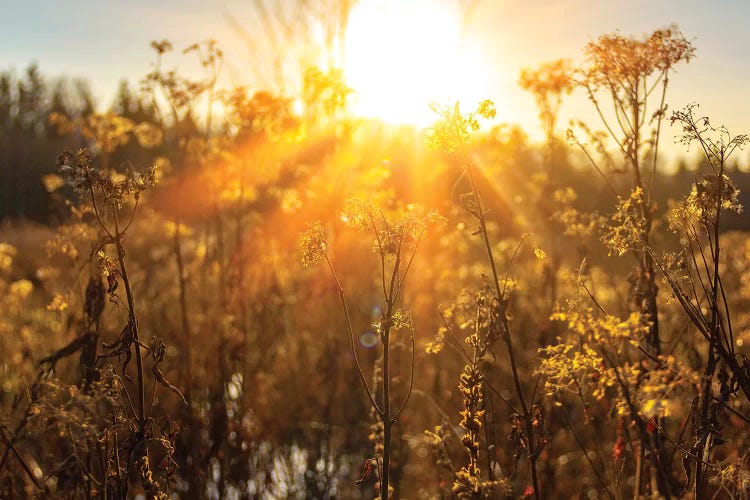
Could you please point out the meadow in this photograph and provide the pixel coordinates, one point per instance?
(286, 300)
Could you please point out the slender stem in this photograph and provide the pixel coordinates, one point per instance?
(482, 222)
(20, 459)
(596, 167)
(527, 418)
(662, 110)
(703, 445)
(585, 452)
(181, 281)
(387, 422)
(411, 382)
(406, 270)
(638, 471)
(133, 325)
(595, 102)
(380, 252)
(98, 217)
(385, 335)
(344, 305)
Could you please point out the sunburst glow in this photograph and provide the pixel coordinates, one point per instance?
(400, 56)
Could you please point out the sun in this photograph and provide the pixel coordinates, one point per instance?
(401, 56)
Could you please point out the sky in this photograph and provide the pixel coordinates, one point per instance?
(106, 41)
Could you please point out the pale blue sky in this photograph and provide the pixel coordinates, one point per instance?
(105, 41)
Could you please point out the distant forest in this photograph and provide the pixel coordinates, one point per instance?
(29, 145)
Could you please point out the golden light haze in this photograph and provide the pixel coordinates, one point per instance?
(341, 249)
(401, 54)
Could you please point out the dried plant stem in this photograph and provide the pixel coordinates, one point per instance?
(12, 447)
(182, 285)
(599, 475)
(506, 334)
(345, 307)
(391, 291)
(388, 419)
(703, 446)
(384, 413)
(133, 325)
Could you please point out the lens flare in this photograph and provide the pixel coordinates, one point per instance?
(368, 340)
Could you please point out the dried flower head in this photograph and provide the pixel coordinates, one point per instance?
(313, 243)
(618, 59)
(78, 171)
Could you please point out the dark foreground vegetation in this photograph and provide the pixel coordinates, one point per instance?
(263, 303)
